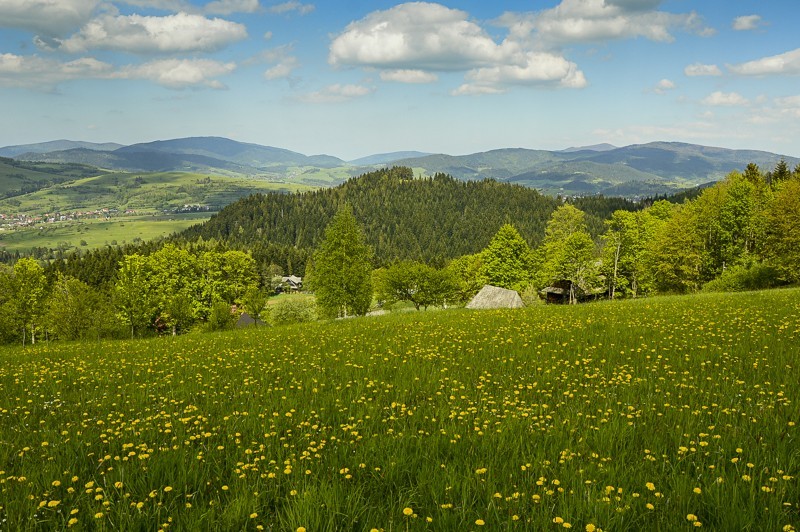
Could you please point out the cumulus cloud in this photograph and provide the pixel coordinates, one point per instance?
(181, 32)
(409, 76)
(699, 69)
(45, 73)
(416, 36)
(410, 42)
(747, 22)
(663, 86)
(226, 7)
(47, 17)
(292, 5)
(540, 68)
(283, 69)
(728, 99)
(179, 73)
(789, 105)
(783, 64)
(337, 93)
(577, 21)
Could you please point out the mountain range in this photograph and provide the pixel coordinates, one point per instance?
(635, 170)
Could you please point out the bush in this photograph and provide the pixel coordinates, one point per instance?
(220, 318)
(741, 278)
(293, 309)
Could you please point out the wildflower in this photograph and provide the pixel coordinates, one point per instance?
(697, 490)
(649, 506)
(480, 522)
(650, 486)
(167, 489)
(253, 515)
(558, 520)
(301, 529)
(590, 528)
(99, 515)
(407, 511)
(691, 517)
(72, 521)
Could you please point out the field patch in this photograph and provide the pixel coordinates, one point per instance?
(660, 414)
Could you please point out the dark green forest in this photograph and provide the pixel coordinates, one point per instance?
(431, 220)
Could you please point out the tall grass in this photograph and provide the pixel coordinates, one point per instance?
(660, 414)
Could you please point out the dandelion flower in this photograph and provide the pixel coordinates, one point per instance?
(407, 511)
(480, 522)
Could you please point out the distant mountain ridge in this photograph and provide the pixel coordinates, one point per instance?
(56, 145)
(635, 170)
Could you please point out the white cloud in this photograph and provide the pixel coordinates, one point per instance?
(575, 21)
(45, 73)
(283, 69)
(181, 32)
(337, 93)
(292, 5)
(747, 22)
(410, 42)
(788, 106)
(409, 76)
(226, 7)
(786, 63)
(699, 69)
(179, 73)
(540, 68)
(416, 36)
(47, 17)
(728, 99)
(663, 86)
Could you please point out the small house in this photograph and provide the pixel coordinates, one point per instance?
(246, 320)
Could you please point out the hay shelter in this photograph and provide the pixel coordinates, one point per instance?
(495, 297)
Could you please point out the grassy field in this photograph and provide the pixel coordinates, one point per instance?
(97, 232)
(658, 414)
(142, 191)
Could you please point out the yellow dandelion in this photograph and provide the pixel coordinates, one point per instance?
(99, 515)
(72, 521)
(691, 517)
(253, 515)
(167, 489)
(558, 520)
(697, 490)
(407, 511)
(590, 528)
(480, 522)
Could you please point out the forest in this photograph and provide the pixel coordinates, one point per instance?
(427, 242)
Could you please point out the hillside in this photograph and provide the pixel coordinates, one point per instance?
(195, 154)
(637, 170)
(634, 171)
(18, 178)
(56, 145)
(606, 415)
(430, 219)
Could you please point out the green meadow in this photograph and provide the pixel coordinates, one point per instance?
(94, 233)
(668, 413)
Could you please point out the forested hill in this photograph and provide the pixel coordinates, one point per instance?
(429, 219)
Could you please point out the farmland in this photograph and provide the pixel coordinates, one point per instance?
(667, 413)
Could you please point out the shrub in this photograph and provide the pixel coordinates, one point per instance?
(742, 277)
(293, 309)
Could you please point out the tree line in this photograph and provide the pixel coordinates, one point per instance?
(742, 233)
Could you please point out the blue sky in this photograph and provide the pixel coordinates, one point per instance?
(352, 78)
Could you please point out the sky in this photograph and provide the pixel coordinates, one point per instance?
(353, 78)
